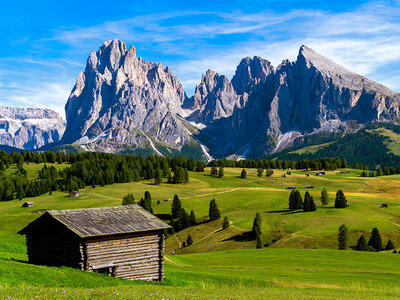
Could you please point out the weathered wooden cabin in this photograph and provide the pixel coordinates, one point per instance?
(28, 204)
(122, 241)
(74, 194)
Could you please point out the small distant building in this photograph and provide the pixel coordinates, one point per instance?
(28, 204)
(309, 186)
(74, 194)
(320, 173)
(308, 175)
(347, 172)
(384, 205)
(292, 187)
(123, 241)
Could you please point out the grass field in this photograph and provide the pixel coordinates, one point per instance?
(275, 272)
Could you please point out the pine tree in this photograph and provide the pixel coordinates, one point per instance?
(243, 175)
(361, 244)
(389, 245)
(192, 218)
(324, 197)
(295, 200)
(375, 240)
(189, 240)
(344, 163)
(128, 199)
(260, 172)
(343, 237)
(379, 172)
(221, 172)
(184, 220)
(225, 223)
(307, 202)
(158, 176)
(340, 201)
(176, 207)
(213, 211)
(213, 171)
(256, 230)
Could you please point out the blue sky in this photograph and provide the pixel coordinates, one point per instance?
(45, 44)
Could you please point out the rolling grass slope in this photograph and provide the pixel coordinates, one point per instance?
(273, 272)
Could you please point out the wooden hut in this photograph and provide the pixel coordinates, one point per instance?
(28, 204)
(122, 241)
(74, 194)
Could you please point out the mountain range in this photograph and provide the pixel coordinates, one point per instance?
(123, 104)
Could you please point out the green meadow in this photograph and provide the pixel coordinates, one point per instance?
(299, 258)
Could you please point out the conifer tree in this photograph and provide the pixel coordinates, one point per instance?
(192, 218)
(184, 220)
(256, 230)
(214, 171)
(176, 207)
(128, 199)
(157, 176)
(379, 172)
(225, 223)
(375, 240)
(389, 245)
(213, 211)
(243, 175)
(221, 172)
(295, 200)
(189, 240)
(324, 197)
(361, 244)
(343, 237)
(269, 173)
(340, 201)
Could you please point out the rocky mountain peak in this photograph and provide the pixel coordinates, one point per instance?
(251, 72)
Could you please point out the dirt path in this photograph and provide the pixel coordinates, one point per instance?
(233, 190)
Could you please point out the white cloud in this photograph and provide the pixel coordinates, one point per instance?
(363, 40)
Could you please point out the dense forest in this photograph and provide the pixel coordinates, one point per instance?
(87, 169)
(363, 147)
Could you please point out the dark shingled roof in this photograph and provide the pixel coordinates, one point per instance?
(102, 221)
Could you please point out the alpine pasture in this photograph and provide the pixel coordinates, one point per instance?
(299, 257)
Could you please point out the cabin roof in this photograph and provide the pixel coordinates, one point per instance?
(28, 202)
(104, 221)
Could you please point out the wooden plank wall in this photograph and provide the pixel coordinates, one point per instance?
(53, 245)
(131, 257)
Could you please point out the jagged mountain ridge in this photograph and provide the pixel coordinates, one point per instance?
(29, 128)
(122, 100)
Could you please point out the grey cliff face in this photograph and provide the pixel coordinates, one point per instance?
(122, 99)
(310, 95)
(29, 128)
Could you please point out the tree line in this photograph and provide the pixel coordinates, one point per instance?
(88, 169)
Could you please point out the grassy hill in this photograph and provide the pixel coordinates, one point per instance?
(280, 273)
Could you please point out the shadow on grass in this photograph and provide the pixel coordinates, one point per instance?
(277, 211)
(163, 216)
(243, 237)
